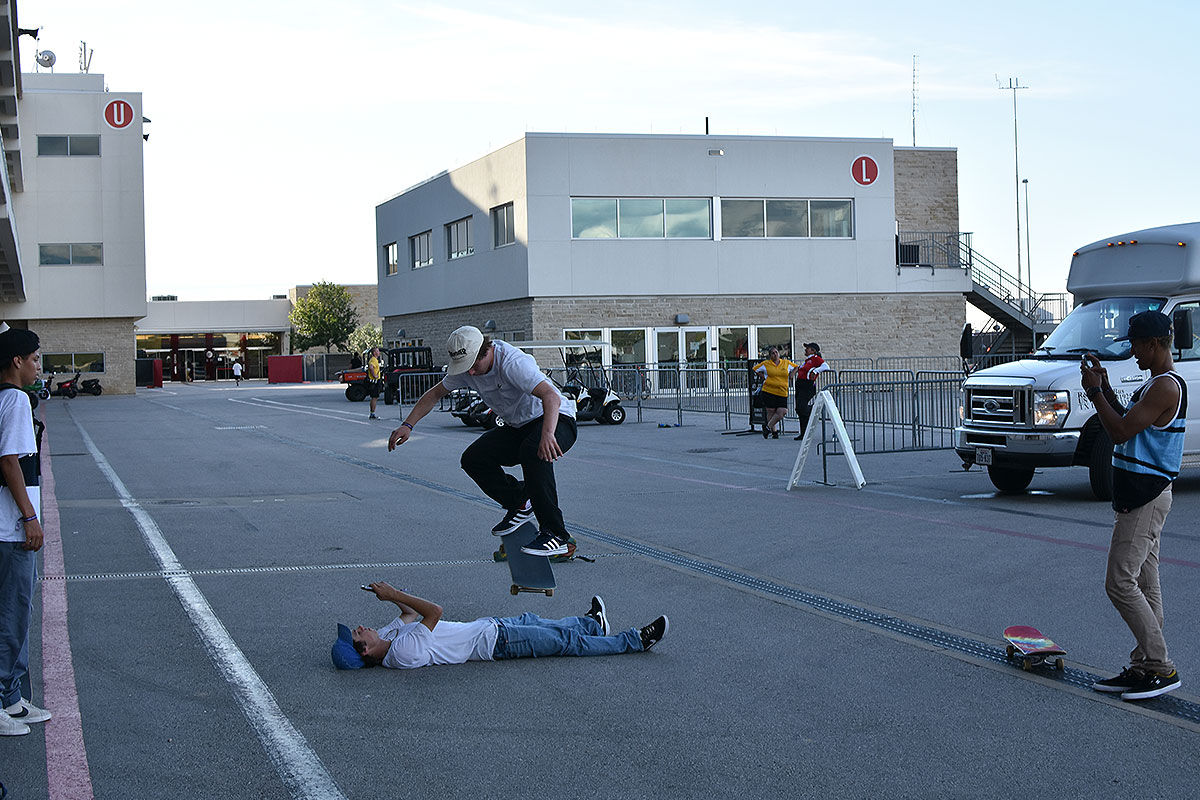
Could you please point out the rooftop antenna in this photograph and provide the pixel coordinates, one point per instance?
(1013, 85)
(914, 101)
(46, 58)
(85, 57)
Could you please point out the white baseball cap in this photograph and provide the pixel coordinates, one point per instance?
(463, 348)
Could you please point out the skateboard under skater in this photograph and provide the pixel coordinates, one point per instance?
(529, 573)
(1033, 646)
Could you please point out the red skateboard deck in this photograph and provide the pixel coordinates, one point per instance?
(1033, 645)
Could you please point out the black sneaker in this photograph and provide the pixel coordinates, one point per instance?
(653, 633)
(774, 434)
(546, 544)
(1128, 678)
(766, 433)
(513, 520)
(1151, 684)
(597, 613)
(372, 416)
(801, 436)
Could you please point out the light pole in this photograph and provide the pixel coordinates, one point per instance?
(1014, 84)
(1028, 259)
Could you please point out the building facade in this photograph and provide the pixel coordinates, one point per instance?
(678, 249)
(73, 230)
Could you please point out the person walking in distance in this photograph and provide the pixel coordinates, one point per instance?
(539, 428)
(374, 376)
(237, 372)
(806, 383)
(1148, 438)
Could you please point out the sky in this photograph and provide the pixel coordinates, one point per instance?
(277, 127)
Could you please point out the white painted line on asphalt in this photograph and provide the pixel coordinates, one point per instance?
(297, 405)
(297, 764)
(298, 411)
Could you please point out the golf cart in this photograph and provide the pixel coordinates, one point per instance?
(585, 384)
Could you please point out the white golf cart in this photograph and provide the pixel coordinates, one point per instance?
(585, 382)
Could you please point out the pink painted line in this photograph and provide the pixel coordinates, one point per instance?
(67, 773)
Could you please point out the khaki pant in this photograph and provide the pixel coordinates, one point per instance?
(1132, 581)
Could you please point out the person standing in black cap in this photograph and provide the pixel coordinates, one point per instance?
(806, 383)
(1148, 454)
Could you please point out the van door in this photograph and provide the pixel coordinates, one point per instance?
(1187, 364)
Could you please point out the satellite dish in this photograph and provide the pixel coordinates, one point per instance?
(46, 58)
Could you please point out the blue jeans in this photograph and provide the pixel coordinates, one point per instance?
(530, 636)
(18, 574)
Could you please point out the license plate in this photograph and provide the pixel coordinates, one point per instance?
(983, 456)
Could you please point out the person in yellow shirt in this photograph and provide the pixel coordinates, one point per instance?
(374, 380)
(776, 372)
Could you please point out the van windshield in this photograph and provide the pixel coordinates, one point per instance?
(1094, 327)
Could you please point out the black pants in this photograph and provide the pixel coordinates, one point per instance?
(805, 391)
(509, 446)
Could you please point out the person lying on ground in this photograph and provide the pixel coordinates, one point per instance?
(419, 637)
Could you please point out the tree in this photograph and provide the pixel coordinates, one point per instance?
(325, 317)
(365, 337)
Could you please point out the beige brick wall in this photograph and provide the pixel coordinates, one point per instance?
(847, 326)
(926, 189)
(113, 337)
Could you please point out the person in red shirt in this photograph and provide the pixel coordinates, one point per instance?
(806, 382)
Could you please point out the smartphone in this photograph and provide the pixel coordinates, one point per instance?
(366, 588)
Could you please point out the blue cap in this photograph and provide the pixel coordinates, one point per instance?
(1148, 325)
(343, 653)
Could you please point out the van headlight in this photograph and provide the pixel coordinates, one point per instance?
(1050, 409)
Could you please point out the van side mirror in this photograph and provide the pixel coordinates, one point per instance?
(1181, 321)
(966, 343)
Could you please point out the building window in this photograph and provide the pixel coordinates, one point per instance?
(787, 218)
(79, 254)
(775, 336)
(578, 356)
(72, 362)
(688, 218)
(593, 218)
(502, 225)
(641, 218)
(458, 239)
(420, 249)
(391, 258)
(69, 145)
(833, 218)
(740, 218)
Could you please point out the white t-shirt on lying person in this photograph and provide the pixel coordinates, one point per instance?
(414, 645)
(508, 385)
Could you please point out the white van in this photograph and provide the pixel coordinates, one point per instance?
(1033, 413)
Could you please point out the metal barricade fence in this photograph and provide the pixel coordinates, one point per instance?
(889, 411)
(412, 385)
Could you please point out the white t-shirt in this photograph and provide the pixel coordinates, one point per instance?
(414, 645)
(237, 369)
(16, 438)
(507, 386)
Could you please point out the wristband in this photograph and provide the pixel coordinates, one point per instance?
(29, 519)
(406, 425)
(1092, 389)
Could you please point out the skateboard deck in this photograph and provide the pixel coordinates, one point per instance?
(1033, 646)
(572, 546)
(529, 573)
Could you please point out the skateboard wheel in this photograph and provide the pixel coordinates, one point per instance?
(1010, 651)
(514, 589)
(549, 593)
(1026, 664)
(1058, 662)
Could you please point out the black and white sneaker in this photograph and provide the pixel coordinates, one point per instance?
(1151, 684)
(653, 633)
(597, 613)
(546, 544)
(1128, 678)
(513, 520)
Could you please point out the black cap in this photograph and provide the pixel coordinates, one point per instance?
(1147, 325)
(813, 345)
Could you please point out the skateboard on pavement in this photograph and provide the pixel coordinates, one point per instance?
(1033, 646)
(529, 573)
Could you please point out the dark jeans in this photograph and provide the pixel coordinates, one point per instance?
(18, 576)
(509, 446)
(805, 391)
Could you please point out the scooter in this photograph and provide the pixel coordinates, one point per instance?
(91, 386)
(38, 389)
(67, 388)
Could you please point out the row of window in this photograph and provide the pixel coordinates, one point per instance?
(72, 362)
(74, 145)
(459, 240)
(691, 218)
(671, 346)
(78, 253)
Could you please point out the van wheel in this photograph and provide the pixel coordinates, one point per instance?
(1100, 465)
(1010, 480)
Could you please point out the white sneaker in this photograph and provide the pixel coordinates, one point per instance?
(26, 712)
(10, 727)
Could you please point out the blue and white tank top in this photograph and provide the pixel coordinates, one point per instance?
(1146, 464)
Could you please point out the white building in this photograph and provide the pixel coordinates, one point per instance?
(679, 248)
(72, 229)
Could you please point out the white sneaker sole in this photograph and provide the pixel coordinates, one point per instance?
(1152, 693)
(561, 550)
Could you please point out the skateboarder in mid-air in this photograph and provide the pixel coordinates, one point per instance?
(419, 637)
(539, 428)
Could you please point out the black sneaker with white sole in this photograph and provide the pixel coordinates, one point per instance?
(653, 633)
(546, 544)
(1128, 678)
(513, 520)
(1151, 684)
(597, 613)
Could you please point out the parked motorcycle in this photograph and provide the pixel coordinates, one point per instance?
(91, 386)
(67, 388)
(39, 389)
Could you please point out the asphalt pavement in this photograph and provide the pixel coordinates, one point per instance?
(824, 641)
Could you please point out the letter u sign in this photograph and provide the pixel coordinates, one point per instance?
(118, 114)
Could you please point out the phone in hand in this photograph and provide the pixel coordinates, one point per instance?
(366, 588)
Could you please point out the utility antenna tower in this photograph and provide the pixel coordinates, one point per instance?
(1013, 85)
(85, 57)
(914, 101)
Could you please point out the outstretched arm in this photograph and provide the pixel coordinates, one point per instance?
(423, 407)
(411, 606)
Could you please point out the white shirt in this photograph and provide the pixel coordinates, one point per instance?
(414, 645)
(237, 369)
(508, 385)
(16, 439)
